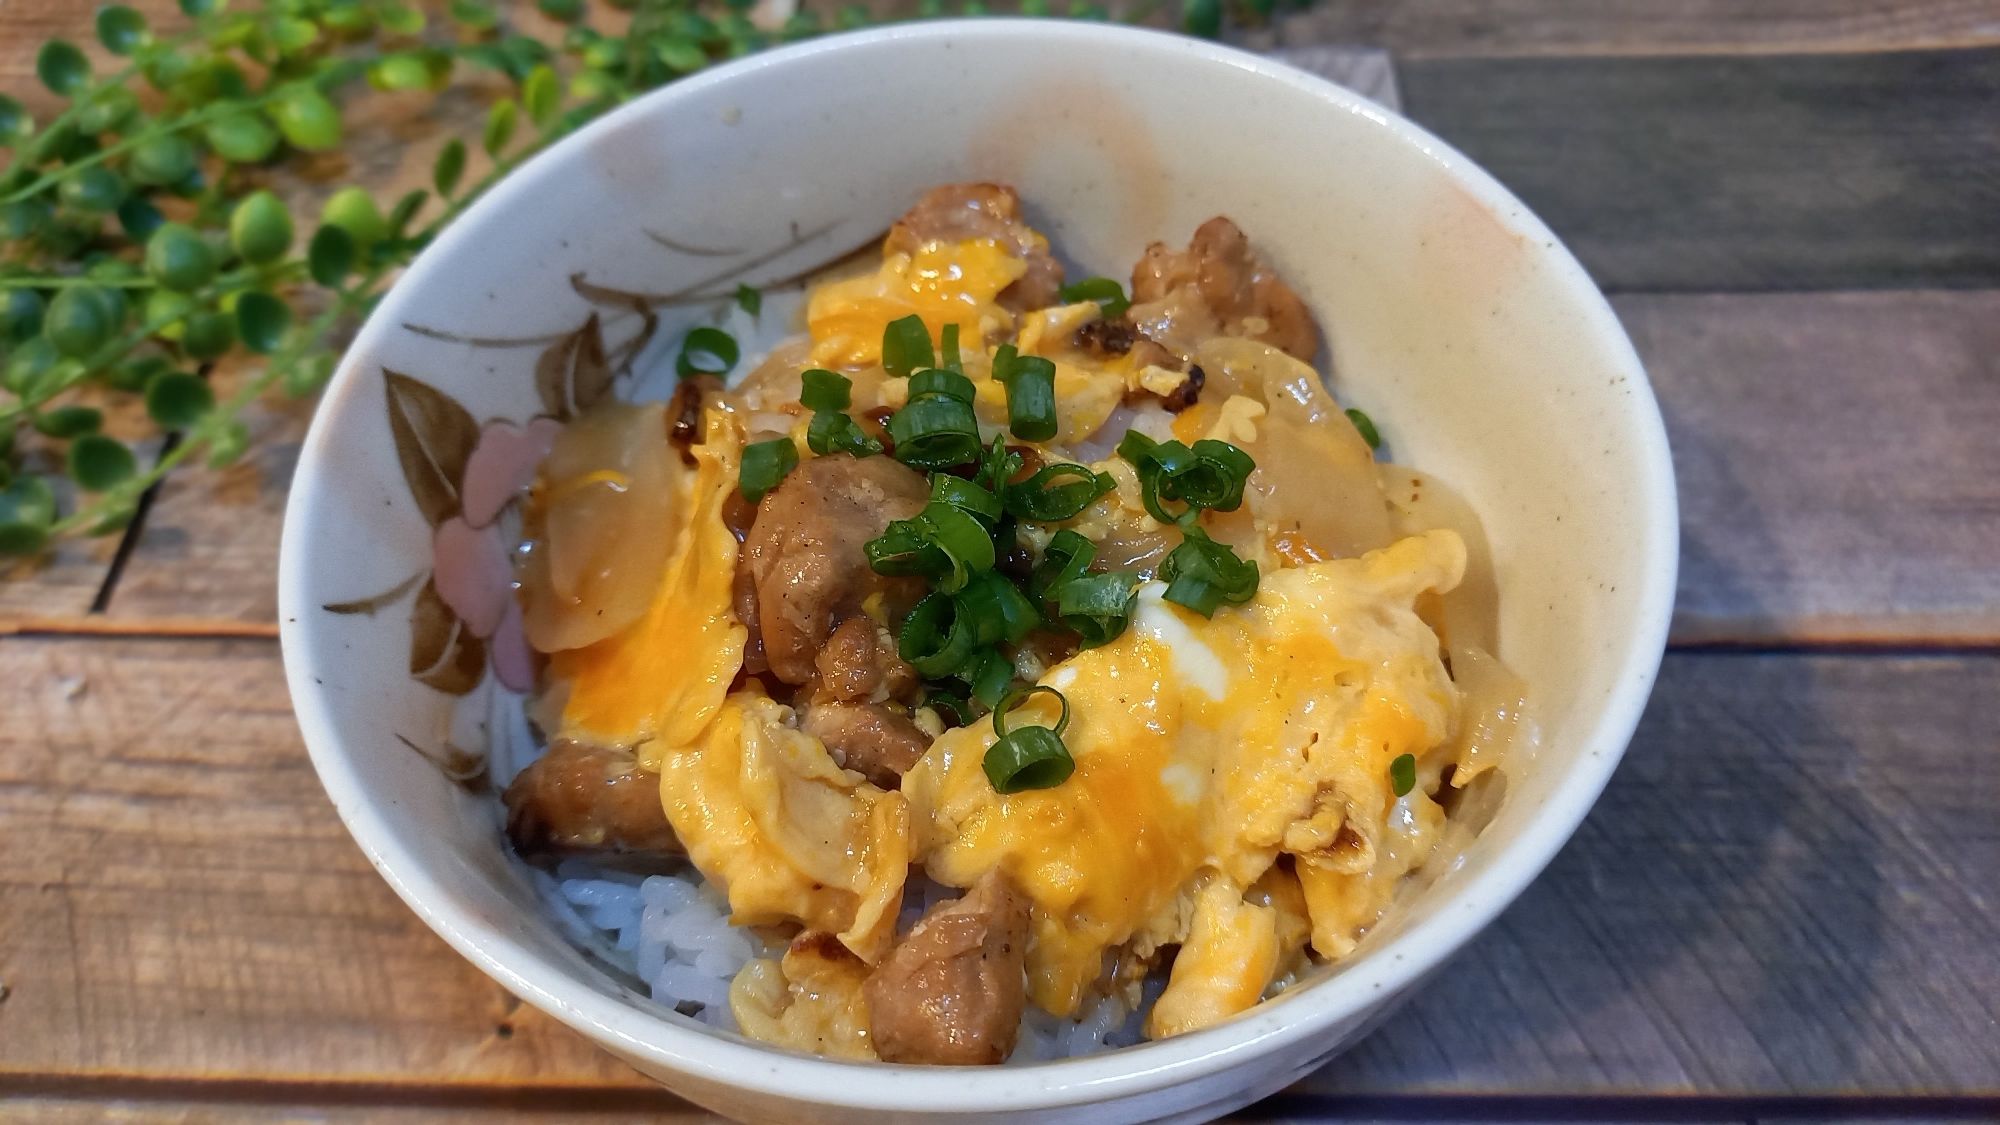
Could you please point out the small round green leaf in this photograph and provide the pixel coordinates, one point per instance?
(208, 334)
(133, 373)
(97, 462)
(499, 126)
(62, 68)
(261, 320)
(309, 374)
(308, 119)
(353, 210)
(69, 421)
(330, 257)
(177, 400)
(405, 70)
(450, 165)
(168, 310)
(16, 123)
(21, 315)
(110, 109)
(472, 14)
(121, 30)
(399, 19)
(406, 209)
(681, 54)
(227, 445)
(163, 160)
(540, 94)
(197, 7)
(242, 138)
(23, 217)
(590, 85)
(178, 257)
(348, 17)
(292, 34)
(564, 11)
(260, 229)
(139, 217)
(1201, 17)
(78, 321)
(27, 508)
(27, 363)
(95, 189)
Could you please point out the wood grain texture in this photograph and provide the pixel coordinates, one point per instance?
(1741, 173)
(1838, 466)
(1415, 28)
(1792, 887)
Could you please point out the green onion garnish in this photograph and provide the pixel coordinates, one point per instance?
(1109, 295)
(1366, 426)
(904, 547)
(1211, 474)
(1064, 560)
(1031, 395)
(939, 698)
(824, 390)
(1098, 606)
(935, 640)
(1031, 757)
(936, 431)
(966, 496)
(995, 610)
(988, 673)
(938, 381)
(948, 348)
(1202, 574)
(765, 463)
(706, 349)
(749, 299)
(906, 346)
(832, 431)
(1403, 774)
(996, 466)
(964, 541)
(1039, 498)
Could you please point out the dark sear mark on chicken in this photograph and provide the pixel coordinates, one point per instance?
(952, 991)
(594, 802)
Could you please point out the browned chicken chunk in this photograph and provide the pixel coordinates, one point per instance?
(593, 801)
(805, 552)
(957, 212)
(859, 662)
(868, 738)
(952, 991)
(1216, 285)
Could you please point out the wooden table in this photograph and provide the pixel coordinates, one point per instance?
(1787, 903)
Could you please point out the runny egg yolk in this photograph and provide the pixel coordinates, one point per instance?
(1204, 747)
(943, 282)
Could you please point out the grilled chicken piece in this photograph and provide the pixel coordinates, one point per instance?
(859, 663)
(805, 553)
(952, 991)
(592, 801)
(868, 738)
(957, 212)
(1180, 297)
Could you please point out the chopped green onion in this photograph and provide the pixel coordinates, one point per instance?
(1031, 757)
(906, 346)
(1366, 426)
(942, 699)
(948, 349)
(1109, 295)
(1036, 498)
(832, 431)
(988, 673)
(706, 349)
(934, 640)
(995, 610)
(1098, 606)
(1031, 397)
(905, 548)
(964, 540)
(1202, 574)
(1064, 560)
(966, 496)
(749, 299)
(1003, 361)
(765, 463)
(935, 432)
(821, 389)
(1209, 475)
(938, 381)
(1403, 774)
(996, 466)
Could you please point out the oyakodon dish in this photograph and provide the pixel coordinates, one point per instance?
(1100, 610)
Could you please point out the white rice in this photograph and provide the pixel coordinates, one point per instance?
(671, 932)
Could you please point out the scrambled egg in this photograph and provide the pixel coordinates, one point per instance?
(943, 282)
(1204, 748)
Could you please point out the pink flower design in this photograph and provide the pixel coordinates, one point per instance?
(469, 559)
(502, 465)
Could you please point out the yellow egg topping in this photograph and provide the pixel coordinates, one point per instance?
(943, 282)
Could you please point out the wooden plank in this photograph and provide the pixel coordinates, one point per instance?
(1838, 470)
(1738, 172)
(1416, 28)
(60, 1111)
(1791, 888)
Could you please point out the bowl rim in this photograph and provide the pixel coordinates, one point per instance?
(712, 1058)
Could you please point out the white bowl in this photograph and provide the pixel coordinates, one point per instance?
(1453, 317)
